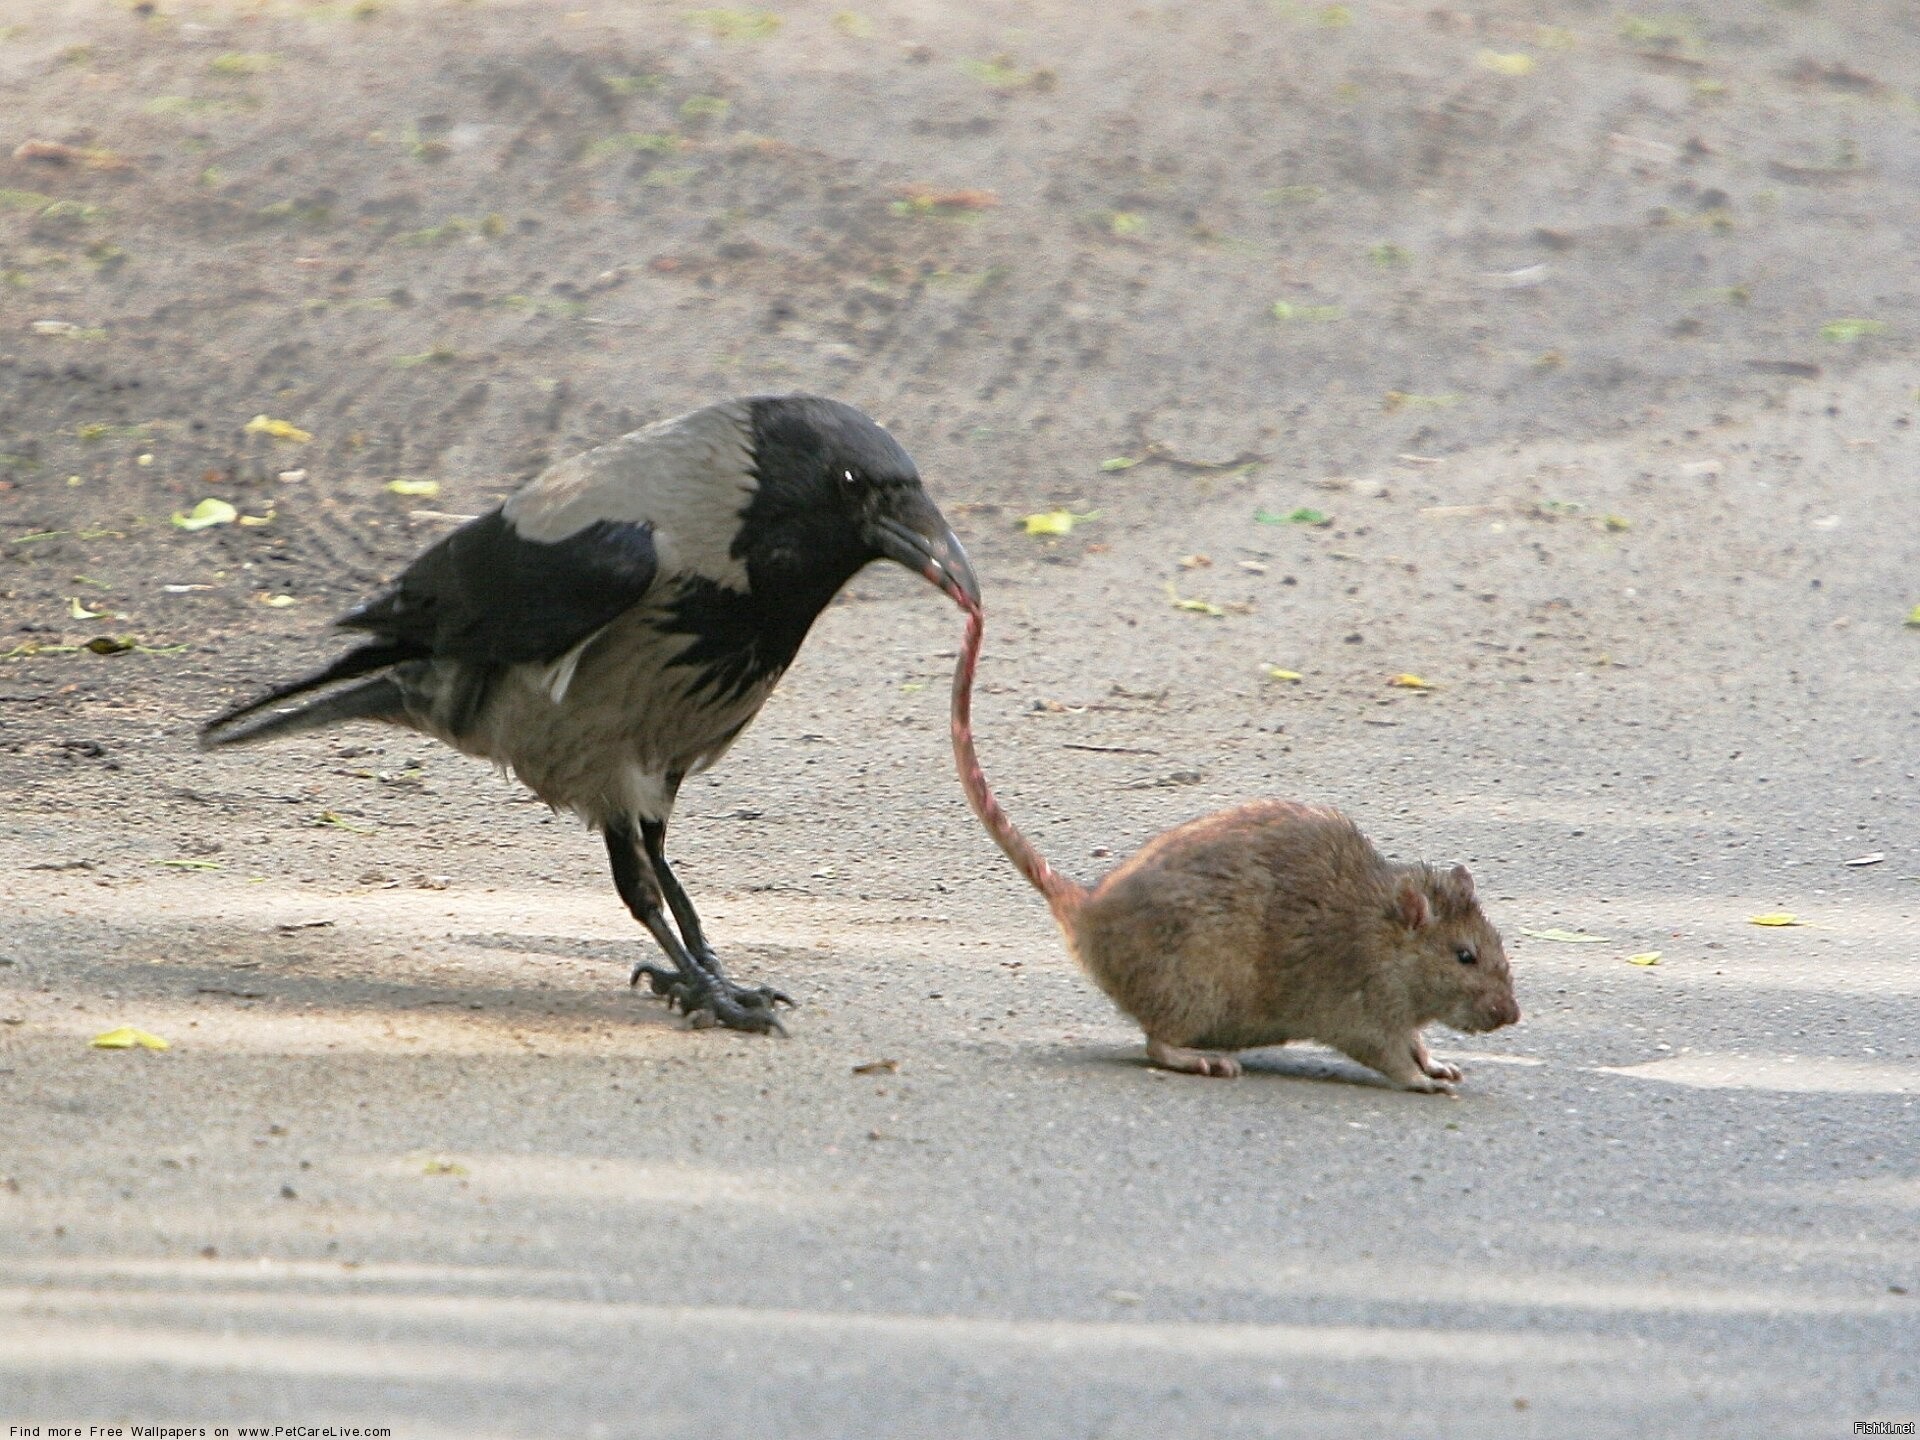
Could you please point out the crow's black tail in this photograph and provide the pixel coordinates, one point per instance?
(375, 699)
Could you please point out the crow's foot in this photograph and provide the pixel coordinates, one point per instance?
(754, 997)
(708, 1000)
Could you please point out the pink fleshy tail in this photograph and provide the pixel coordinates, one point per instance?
(1063, 896)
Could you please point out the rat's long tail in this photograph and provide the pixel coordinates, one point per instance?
(1064, 897)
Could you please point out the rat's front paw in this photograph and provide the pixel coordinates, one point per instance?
(1433, 1069)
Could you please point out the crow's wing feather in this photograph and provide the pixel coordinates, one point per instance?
(580, 544)
(488, 595)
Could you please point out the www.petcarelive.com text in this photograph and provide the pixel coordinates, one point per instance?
(199, 1432)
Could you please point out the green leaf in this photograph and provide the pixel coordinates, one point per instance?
(1845, 332)
(208, 512)
(1302, 516)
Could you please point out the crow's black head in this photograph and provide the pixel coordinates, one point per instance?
(835, 492)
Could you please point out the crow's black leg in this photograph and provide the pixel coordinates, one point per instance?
(705, 998)
(653, 835)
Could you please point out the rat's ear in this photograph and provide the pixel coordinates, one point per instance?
(1411, 906)
(1461, 879)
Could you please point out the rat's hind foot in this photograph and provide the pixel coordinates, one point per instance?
(707, 1000)
(1191, 1062)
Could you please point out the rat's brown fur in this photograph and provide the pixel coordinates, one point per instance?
(1270, 922)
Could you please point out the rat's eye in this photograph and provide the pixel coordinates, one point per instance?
(1466, 956)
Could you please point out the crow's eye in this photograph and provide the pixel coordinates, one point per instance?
(1466, 956)
(846, 479)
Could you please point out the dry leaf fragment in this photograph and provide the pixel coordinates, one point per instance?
(1566, 937)
(1646, 957)
(1870, 859)
(443, 1167)
(338, 822)
(55, 152)
(927, 197)
(1198, 607)
(877, 1067)
(278, 602)
(1775, 917)
(126, 1037)
(278, 429)
(77, 611)
(1514, 63)
(1411, 682)
(208, 512)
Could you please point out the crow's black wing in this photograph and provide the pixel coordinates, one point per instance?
(488, 595)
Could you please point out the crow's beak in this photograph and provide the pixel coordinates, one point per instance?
(934, 553)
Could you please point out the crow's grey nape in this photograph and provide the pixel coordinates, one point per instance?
(617, 623)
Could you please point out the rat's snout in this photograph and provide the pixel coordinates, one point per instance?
(1504, 1012)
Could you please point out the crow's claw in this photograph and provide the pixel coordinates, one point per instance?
(707, 1001)
(669, 983)
(761, 997)
(717, 1007)
(754, 997)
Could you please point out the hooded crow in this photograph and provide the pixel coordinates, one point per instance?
(614, 626)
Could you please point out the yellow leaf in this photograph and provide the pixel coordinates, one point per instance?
(1913, 620)
(278, 602)
(443, 1167)
(1198, 607)
(425, 489)
(278, 429)
(1776, 917)
(125, 1038)
(1566, 937)
(1410, 682)
(266, 519)
(1274, 672)
(80, 612)
(1050, 522)
(207, 512)
(1648, 957)
(1506, 64)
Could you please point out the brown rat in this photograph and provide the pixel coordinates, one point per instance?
(1270, 922)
